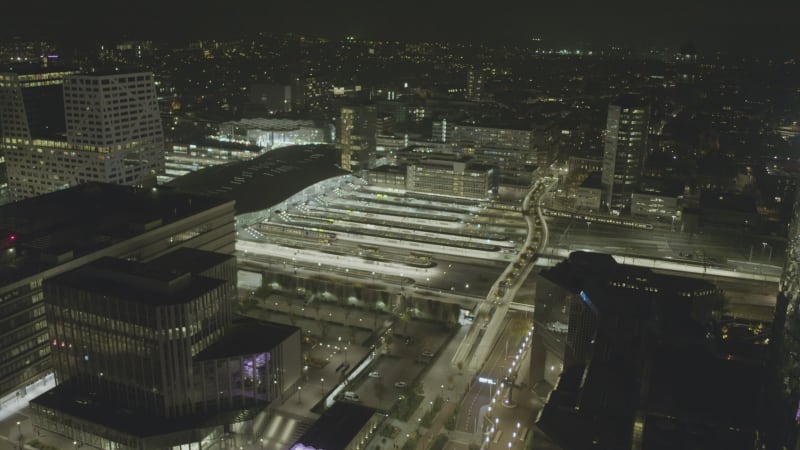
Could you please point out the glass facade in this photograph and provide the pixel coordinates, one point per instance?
(140, 353)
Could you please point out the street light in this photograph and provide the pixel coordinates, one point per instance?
(322, 383)
(299, 391)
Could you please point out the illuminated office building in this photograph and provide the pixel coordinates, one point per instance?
(45, 236)
(356, 138)
(153, 348)
(32, 107)
(112, 133)
(475, 82)
(625, 151)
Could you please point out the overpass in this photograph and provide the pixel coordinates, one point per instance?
(492, 312)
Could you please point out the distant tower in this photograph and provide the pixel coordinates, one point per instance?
(475, 81)
(356, 138)
(625, 150)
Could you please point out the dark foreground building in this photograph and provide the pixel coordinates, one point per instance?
(46, 236)
(147, 355)
(344, 426)
(648, 362)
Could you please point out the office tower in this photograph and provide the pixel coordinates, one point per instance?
(505, 146)
(113, 135)
(311, 95)
(475, 82)
(648, 362)
(154, 349)
(51, 234)
(357, 127)
(31, 107)
(625, 151)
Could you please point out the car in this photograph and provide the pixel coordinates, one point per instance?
(427, 353)
(400, 384)
(352, 396)
(374, 374)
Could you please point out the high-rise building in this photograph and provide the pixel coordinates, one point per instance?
(31, 107)
(475, 82)
(647, 361)
(113, 135)
(356, 139)
(46, 236)
(625, 151)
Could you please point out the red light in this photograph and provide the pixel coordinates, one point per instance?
(12, 237)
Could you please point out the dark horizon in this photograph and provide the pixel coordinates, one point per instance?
(729, 28)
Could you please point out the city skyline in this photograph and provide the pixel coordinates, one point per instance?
(363, 227)
(711, 26)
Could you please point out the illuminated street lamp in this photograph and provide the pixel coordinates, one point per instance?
(299, 391)
(322, 383)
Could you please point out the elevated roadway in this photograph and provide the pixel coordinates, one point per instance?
(491, 313)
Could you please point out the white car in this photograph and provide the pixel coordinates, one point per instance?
(400, 384)
(352, 396)
(427, 353)
(374, 374)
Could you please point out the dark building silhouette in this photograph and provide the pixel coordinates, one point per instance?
(344, 426)
(647, 364)
(61, 231)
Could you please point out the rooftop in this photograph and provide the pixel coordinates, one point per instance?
(247, 337)
(267, 180)
(270, 124)
(593, 181)
(84, 219)
(727, 201)
(68, 400)
(336, 427)
(189, 259)
(136, 282)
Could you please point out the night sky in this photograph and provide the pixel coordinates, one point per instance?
(726, 25)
